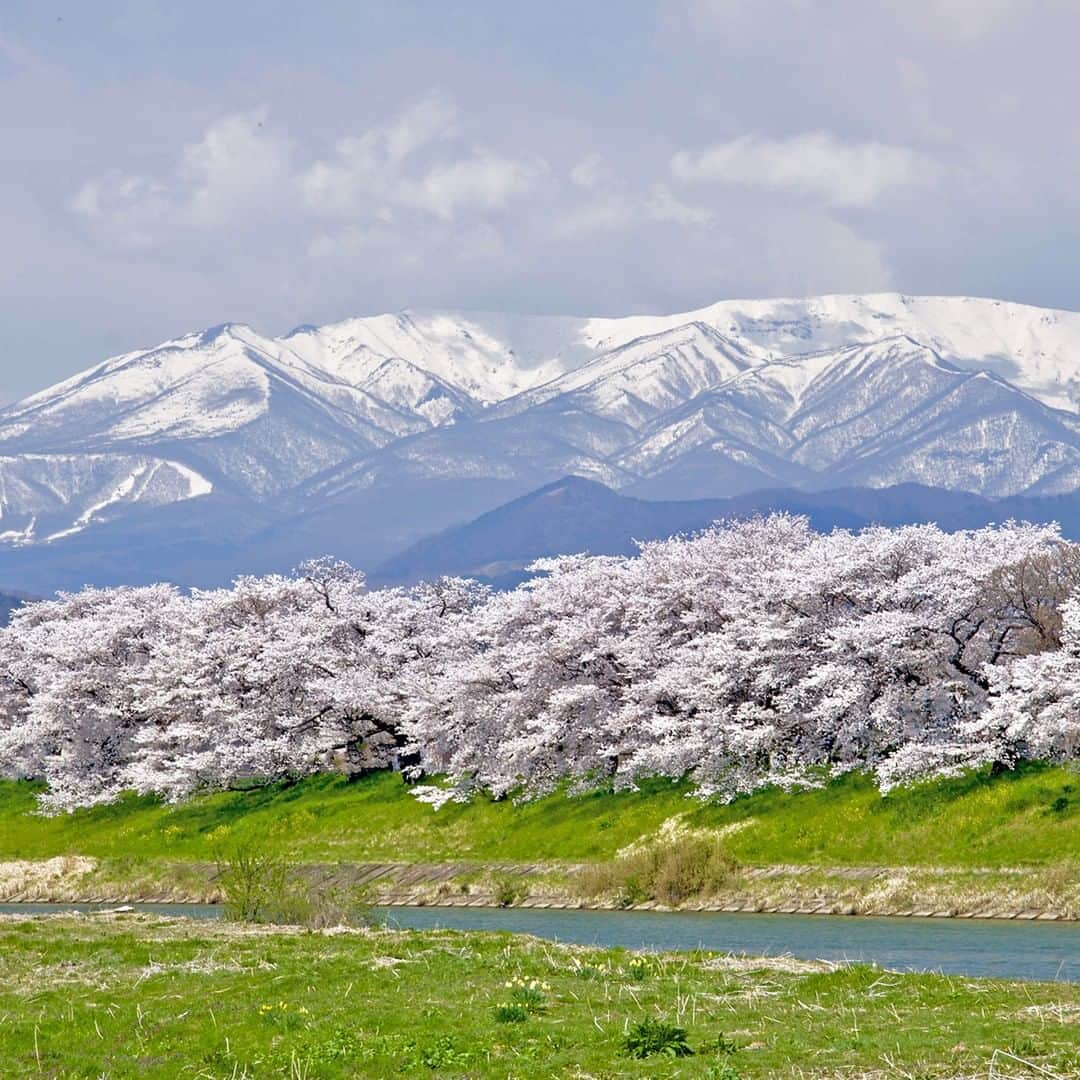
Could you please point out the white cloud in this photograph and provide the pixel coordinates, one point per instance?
(242, 171)
(369, 166)
(815, 164)
(430, 119)
(129, 206)
(485, 180)
(620, 211)
(380, 167)
(238, 168)
(662, 205)
(589, 171)
(236, 171)
(611, 213)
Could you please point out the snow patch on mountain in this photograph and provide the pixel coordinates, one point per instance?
(47, 497)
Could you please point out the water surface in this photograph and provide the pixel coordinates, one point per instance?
(993, 948)
(975, 947)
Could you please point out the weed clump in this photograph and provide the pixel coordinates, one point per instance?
(649, 1038)
(511, 1013)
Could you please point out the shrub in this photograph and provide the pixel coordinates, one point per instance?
(671, 872)
(263, 886)
(441, 1054)
(253, 881)
(508, 891)
(723, 1070)
(656, 1037)
(531, 995)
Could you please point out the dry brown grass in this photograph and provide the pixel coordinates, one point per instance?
(62, 877)
(689, 867)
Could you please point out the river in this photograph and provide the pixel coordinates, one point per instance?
(1005, 949)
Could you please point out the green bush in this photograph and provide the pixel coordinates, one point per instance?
(508, 890)
(443, 1053)
(531, 995)
(261, 885)
(254, 881)
(724, 1070)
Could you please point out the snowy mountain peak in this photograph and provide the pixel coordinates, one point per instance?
(1035, 348)
(458, 350)
(418, 418)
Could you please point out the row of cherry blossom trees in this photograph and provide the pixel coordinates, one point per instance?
(757, 652)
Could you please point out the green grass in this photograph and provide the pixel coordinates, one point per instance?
(1027, 817)
(142, 997)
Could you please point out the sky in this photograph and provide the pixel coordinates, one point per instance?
(168, 166)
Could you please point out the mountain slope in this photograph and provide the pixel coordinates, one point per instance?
(889, 412)
(572, 514)
(1035, 348)
(226, 449)
(576, 515)
(685, 414)
(488, 357)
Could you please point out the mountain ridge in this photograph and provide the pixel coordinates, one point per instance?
(575, 515)
(368, 433)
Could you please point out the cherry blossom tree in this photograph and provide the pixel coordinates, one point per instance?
(280, 676)
(75, 673)
(1034, 707)
(757, 652)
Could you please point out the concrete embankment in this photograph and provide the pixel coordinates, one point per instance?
(1002, 893)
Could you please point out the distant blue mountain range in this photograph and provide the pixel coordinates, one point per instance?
(575, 514)
(9, 601)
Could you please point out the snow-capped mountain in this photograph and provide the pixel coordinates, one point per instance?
(884, 413)
(1035, 348)
(360, 436)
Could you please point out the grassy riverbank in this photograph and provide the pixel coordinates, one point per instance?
(1030, 817)
(136, 996)
(976, 844)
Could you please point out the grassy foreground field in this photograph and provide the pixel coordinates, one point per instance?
(1029, 817)
(135, 996)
